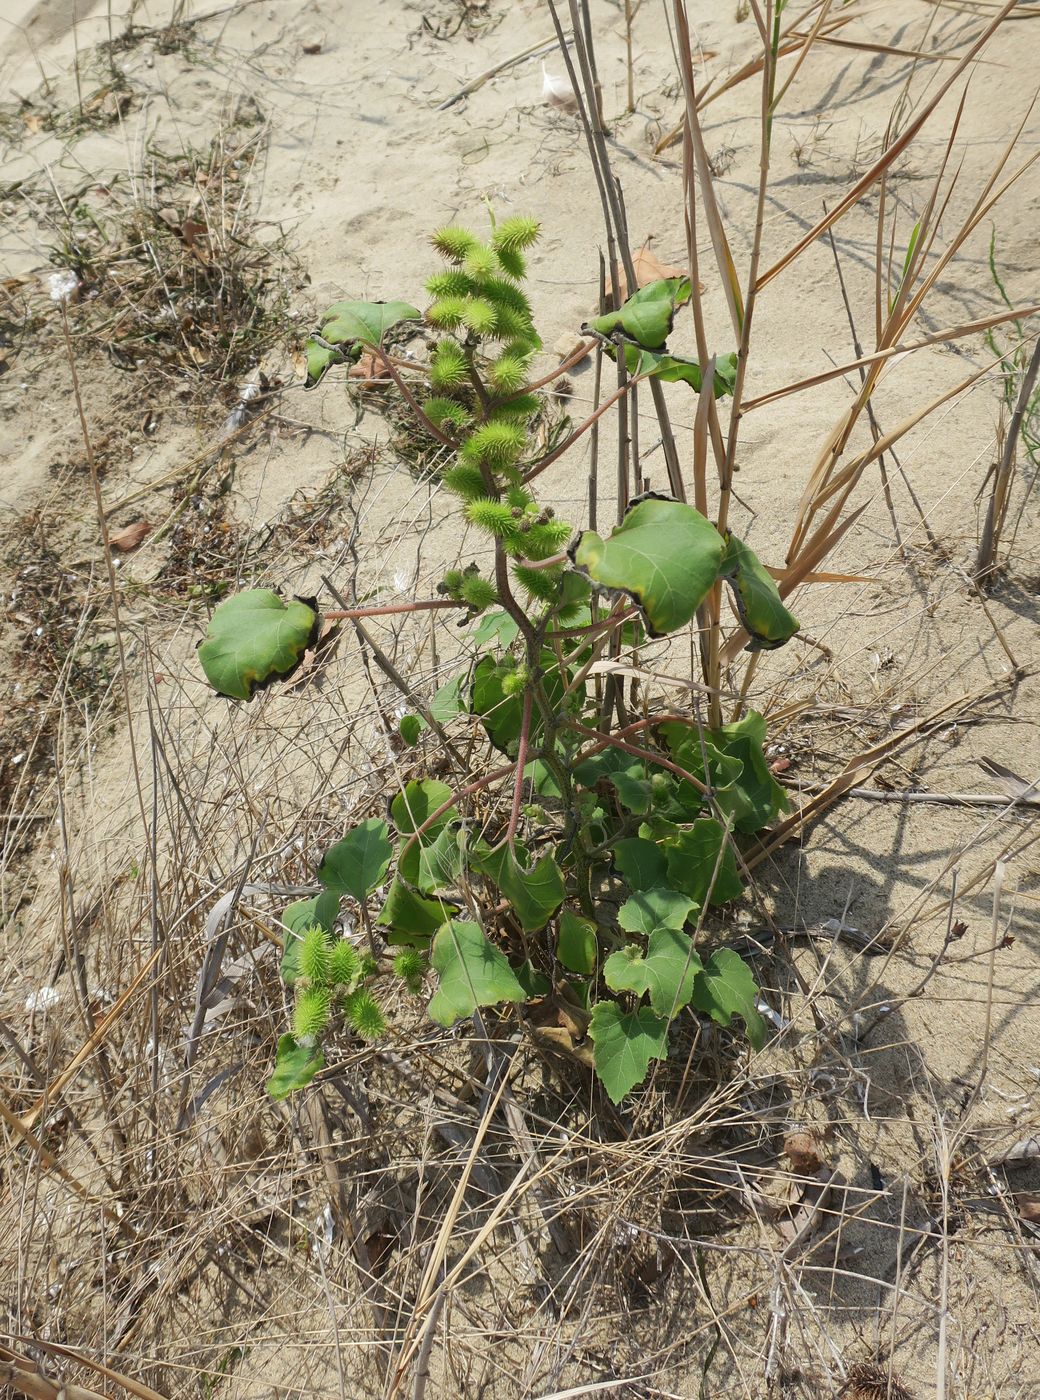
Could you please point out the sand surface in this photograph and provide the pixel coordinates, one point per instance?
(313, 134)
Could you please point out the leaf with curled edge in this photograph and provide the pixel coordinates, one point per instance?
(665, 555)
(255, 638)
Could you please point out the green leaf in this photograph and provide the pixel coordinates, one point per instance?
(440, 862)
(668, 971)
(624, 1044)
(321, 911)
(692, 859)
(295, 1065)
(472, 973)
(754, 798)
(629, 776)
(664, 554)
(647, 910)
(502, 714)
(253, 639)
(675, 369)
(413, 806)
(756, 598)
(535, 894)
(726, 987)
(577, 945)
(319, 359)
(409, 728)
(534, 983)
(448, 702)
(495, 628)
(724, 770)
(358, 863)
(411, 919)
(643, 863)
(647, 316)
(367, 322)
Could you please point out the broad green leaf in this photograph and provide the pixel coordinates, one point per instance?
(410, 918)
(668, 970)
(358, 864)
(409, 728)
(692, 860)
(472, 973)
(534, 983)
(644, 864)
(624, 1044)
(647, 316)
(577, 945)
(675, 369)
(535, 894)
(756, 598)
(542, 778)
(413, 806)
(441, 862)
(754, 797)
(253, 639)
(726, 987)
(319, 359)
(448, 702)
(502, 714)
(496, 628)
(629, 776)
(367, 322)
(723, 776)
(647, 910)
(295, 1066)
(664, 554)
(298, 918)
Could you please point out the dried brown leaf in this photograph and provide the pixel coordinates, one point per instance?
(130, 536)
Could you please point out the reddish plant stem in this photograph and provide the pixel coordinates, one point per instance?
(521, 764)
(425, 605)
(466, 791)
(616, 619)
(574, 358)
(604, 741)
(540, 467)
(409, 397)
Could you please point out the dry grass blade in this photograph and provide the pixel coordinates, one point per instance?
(889, 156)
(131, 1386)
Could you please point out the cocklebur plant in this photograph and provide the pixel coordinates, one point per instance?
(638, 822)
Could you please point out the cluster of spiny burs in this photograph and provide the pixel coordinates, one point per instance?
(479, 373)
(334, 975)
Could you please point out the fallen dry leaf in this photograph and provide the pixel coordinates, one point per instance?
(1028, 1204)
(130, 536)
(648, 268)
(369, 370)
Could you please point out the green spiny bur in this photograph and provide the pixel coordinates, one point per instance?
(448, 313)
(465, 480)
(516, 233)
(311, 1015)
(448, 366)
(480, 316)
(493, 516)
(478, 592)
(508, 373)
(480, 263)
(498, 443)
(443, 411)
(543, 584)
(364, 1015)
(344, 964)
(513, 264)
(453, 242)
(409, 963)
(450, 283)
(315, 956)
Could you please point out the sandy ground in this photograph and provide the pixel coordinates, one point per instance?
(335, 158)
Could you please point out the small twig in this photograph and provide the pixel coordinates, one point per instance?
(426, 605)
(946, 799)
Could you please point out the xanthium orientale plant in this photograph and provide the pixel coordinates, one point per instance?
(596, 887)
